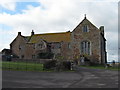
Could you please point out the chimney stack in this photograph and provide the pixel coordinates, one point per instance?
(19, 33)
(102, 29)
(32, 33)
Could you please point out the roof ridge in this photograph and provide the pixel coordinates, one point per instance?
(51, 37)
(53, 33)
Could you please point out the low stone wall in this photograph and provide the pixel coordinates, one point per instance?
(30, 60)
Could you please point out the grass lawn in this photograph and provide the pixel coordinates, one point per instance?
(21, 66)
(102, 67)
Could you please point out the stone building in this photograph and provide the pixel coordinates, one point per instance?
(85, 41)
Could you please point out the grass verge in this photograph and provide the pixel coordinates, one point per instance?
(22, 66)
(25, 66)
(102, 67)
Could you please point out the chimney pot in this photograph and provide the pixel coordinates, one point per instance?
(102, 29)
(32, 33)
(19, 33)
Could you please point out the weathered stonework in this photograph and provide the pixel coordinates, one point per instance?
(67, 44)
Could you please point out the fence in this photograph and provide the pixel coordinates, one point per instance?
(30, 60)
(24, 64)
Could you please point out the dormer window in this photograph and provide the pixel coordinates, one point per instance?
(85, 28)
(40, 45)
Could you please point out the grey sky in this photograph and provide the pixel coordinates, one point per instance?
(62, 16)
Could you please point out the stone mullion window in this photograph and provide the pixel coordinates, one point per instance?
(85, 47)
(89, 48)
(40, 45)
(85, 28)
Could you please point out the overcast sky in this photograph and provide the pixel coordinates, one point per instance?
(45, 16)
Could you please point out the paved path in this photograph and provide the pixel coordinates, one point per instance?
(84, 78)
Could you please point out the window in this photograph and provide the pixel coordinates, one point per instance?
(68, 45)
(22, 56)
(85, 28)
(56, 46)
(34, 46)
(40, 45)
(19, 47)
(85, 47)
(33, 56)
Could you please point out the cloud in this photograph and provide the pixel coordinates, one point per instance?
(64, 15)
(11, 5)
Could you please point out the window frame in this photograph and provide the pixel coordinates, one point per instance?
(85, 47)
(69, 46)
(33, 56)
(19, 47)
(40, 45)
(22, 56)
(85, 28)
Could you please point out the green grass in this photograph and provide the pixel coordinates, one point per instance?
(102, 67)
(21, 66)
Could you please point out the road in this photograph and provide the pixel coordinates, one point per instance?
(83, 78)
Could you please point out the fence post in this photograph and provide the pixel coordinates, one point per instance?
(34, 61)
(26, 64)
(17, 65)
(9, 65)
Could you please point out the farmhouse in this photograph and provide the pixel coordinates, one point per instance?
(85, 41)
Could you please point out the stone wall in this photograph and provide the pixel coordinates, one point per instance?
(66, 50)
(18, 45)
(93, 36)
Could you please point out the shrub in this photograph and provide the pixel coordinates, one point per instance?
(46, 55)
(57, 65)
(94, 64)
(63, 65)
(49, 65)
(67, 65)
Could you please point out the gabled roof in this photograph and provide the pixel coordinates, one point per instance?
(51, 37)
(26, 38)
(85, 19)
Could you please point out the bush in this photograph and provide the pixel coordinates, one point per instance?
(67, 65)
(46, 55)
(49, 65)
(57, 65)
(63, 65)
(94, 64)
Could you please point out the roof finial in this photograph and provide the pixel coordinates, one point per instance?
(85, 16)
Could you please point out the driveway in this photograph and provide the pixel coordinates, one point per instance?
(83, 78)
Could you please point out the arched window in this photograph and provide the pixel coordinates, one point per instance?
(85, 47)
